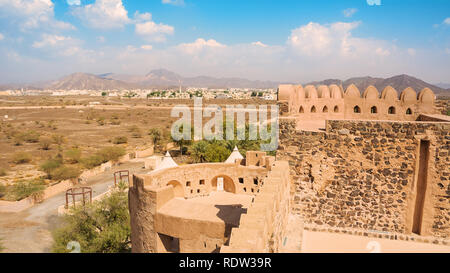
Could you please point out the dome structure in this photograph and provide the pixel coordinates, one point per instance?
(371, 93)
(285, 92)
(300, 92)
(324, 92)
(335, 92)
(352, 91)
(389, 93)
(311, 92)
(408, 95)
(166, 163)
(426, 96)
(234, 156)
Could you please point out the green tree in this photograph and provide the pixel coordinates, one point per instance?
(183, 142)
(73, 156)
(155, 135)
(102, 227)
(216, 153)
(198, 151)
(50, 165)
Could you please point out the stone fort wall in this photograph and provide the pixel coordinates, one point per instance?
(262, 229)
(364, 175)
(163, 219)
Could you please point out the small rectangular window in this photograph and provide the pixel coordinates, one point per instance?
(202, 182)
(188, 183)
(241, 180)
(255, 181)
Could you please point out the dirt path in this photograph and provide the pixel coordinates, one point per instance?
(30, 231)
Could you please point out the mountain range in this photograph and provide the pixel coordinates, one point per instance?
(400, 83)
(162, 78)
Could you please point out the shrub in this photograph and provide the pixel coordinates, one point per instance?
(135, 131)
(58, 139)
(24, 189)
(64, 173)
(102, 227)
(2, 190)
(30, 137)
(73, 156)
(50, 165)
(92, 161)
(111, 153)
(17, 140)
(120, 140)
(21, 158)
(101, 121)
(45, 143)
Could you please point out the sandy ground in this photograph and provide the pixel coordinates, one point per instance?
(30, 231)
(323, 242)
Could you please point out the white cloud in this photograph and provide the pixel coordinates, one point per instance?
(60, 45)
(141, 17)
(147, 47)
(174, 2)
(200, 45)
(258, 43)
(316, 41)
(2, 37)
(374, 2)
(73, 2)
(103, 14)
(101, 39)
(49, 40)
(152, 31)
(349, 12)
(382, 52)
(32, 14)
(447, 21)
(412, 51)
(447, 50)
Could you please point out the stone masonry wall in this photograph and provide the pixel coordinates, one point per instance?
(360, 174)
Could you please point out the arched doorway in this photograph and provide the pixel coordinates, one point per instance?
(223, 183)
(177, 188)
(391, 110)
(325, 109)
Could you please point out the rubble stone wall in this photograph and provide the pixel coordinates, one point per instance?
(363, 174)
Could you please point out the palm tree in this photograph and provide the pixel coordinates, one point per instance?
(198, 151)
(155, 135)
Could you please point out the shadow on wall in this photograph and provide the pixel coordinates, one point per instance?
(230, 214)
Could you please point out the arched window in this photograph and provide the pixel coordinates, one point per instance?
(391, 110)
(373, 110)
(336, 109)
(357, 110)
(301, 110)
(409, 111)
(313, 109)
(325, 109)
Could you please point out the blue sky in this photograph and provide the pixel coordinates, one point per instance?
(284, 40)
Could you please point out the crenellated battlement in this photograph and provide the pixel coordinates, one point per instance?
(332, 102)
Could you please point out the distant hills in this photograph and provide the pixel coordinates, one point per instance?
(88, 81)
(166, 78)
(162, 78)
(399, 82)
